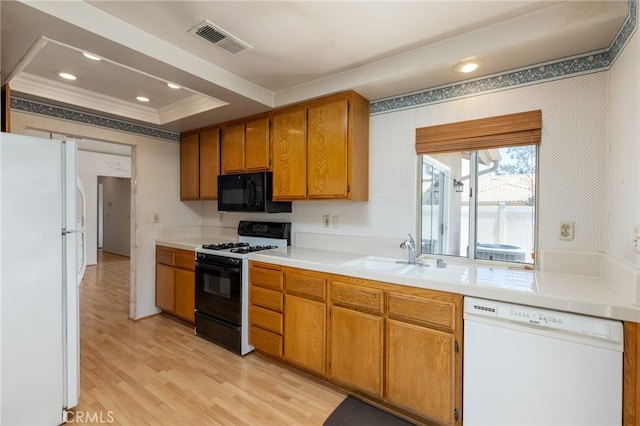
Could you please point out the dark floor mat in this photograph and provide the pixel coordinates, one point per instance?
(353, 412)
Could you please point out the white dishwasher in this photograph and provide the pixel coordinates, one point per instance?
(530, 366)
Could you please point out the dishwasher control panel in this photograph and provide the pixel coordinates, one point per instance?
(557, 320)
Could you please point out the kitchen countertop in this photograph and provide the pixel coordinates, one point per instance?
(190, 237)
(588, 295)
(189, 243)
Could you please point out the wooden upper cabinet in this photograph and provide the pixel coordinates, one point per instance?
(317, 150)
(257, 149)
(289, 138)
(209, 163)
(200, 165)
(331, 155)
(245, 146)
(189, 167)
(327, 150)
(233, 149)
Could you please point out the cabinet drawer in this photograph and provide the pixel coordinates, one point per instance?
(441, 313)
(269, 299)
(164, 256)
(265, 341)
(185, 260)
(266, 319)
(314, 287)
(265, 277)
(370, 299)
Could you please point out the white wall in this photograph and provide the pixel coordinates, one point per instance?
(624, 171)
(155, 189)
(573, 163)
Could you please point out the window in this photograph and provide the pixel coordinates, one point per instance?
(478, 192)
(483, 199)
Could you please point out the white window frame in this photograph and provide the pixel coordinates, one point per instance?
(473, 180)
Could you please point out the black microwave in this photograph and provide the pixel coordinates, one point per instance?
(249, 192)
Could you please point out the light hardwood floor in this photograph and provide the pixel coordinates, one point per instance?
(157, 372)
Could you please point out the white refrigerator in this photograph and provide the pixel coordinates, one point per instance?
(39, 340)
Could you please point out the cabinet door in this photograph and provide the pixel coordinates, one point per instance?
(232, 149)
(189, 167)
(304, 333)
(185, 294)
(289, 156)
(357, 349)
(327, 150)
(257, 149)
(421, 370)
(209, 164)
(165, 288)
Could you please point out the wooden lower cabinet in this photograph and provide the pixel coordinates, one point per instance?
(165, 287)
(266, 302)
(185, 294)
(305, 319)
(175, 282)
(397, 346)
(421, 370)
(357, 348)
(305, 333)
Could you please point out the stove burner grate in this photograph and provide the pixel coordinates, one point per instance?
(251, 249)
(224, 246)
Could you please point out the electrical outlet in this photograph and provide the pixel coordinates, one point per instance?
(156, 218)
(335, 221)
(221, 217)
(326, 221)
(636, 239)
(567, 231)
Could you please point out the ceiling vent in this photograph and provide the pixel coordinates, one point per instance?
(214, 34)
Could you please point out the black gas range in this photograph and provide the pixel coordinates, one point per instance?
(222, 282)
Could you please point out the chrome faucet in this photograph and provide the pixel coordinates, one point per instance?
(410, 245)
(440, 263)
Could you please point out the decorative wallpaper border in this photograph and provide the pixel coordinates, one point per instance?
(39, 108)
(588, 63)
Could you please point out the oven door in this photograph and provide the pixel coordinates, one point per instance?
(219, 291)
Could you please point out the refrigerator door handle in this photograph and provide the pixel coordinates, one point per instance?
(81, 221)
(71, 231)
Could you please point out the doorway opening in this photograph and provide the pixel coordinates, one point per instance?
(101, 159)
(114, 215)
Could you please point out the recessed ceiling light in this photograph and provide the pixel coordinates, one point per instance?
(173, 85)
(142, 99)
(467, 67)
(67, 76)
(91, 56)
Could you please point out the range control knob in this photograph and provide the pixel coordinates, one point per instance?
(234, 261)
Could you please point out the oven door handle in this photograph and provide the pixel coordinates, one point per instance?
(219, 268)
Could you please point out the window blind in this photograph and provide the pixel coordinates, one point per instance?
(524, 128)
